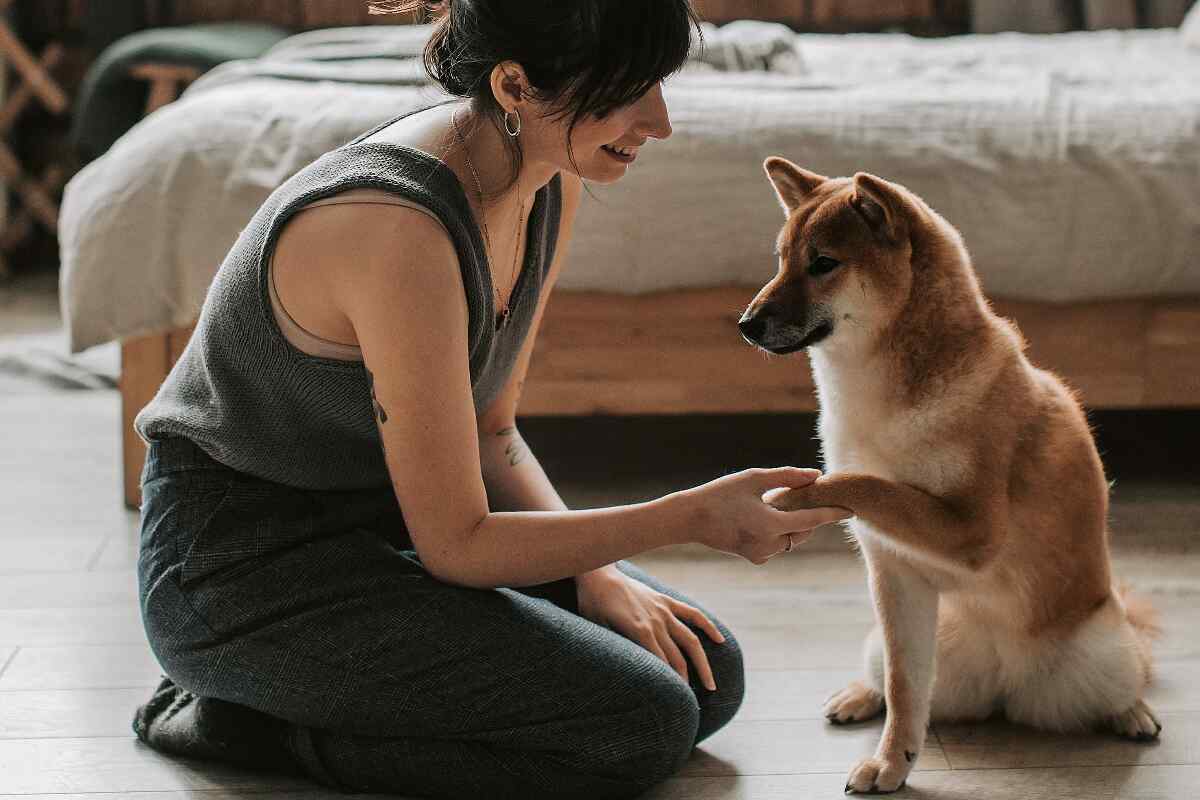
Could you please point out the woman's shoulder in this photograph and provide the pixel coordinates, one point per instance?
(363, 224)
(329, 254)
(424, 132)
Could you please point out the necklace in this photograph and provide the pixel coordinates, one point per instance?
(499, 299)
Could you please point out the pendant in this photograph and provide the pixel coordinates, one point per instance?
(502, 319)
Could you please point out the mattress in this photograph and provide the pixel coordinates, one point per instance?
(1070, 162)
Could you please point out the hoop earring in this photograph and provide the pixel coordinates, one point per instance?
(508, 127)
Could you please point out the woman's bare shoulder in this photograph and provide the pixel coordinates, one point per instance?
(330, 259)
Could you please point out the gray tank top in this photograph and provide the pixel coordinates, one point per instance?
(255, 402)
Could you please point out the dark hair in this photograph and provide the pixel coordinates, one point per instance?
(582, 57)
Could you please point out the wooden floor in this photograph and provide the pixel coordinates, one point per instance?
(74, 663)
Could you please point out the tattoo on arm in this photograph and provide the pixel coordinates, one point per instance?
(515, 449)
(380, 414)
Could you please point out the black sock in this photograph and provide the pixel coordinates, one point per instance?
(179, 722)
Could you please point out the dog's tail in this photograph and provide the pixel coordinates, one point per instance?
(1144, 619)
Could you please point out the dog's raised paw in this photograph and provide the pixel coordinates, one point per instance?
(1137, 723)
(877, 776)
(856, 703)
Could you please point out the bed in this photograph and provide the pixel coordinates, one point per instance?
(1069, 162)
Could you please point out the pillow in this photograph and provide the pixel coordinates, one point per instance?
(749, 45)
(1190, 29)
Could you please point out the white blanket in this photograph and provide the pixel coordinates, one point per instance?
(1071, 163)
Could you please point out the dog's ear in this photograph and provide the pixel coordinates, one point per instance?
(792, 184)
(879, 204)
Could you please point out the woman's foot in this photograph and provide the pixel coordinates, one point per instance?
(178, 722)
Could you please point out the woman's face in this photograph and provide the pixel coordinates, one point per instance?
(604, 148)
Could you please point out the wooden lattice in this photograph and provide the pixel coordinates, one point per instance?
(34, 81)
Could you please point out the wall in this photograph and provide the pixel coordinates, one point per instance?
(825, 15)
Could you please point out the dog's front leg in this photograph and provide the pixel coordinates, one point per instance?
(906, 608)
(959, 535)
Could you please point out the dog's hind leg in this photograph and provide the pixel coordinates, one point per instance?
(861, 700)
(969, 677)
(1095, 677)
(966, 686)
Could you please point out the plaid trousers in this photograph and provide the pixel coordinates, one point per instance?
(313, 607)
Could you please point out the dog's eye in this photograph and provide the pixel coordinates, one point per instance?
(823, 265)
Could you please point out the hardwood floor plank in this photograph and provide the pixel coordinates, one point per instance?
(1180, 617)
(801, 570)
(799, 646)
(215, 794)
(791, 694)
(6, 657)
(79, 457)
(800, 693)
(115, 765)
(739, 608)
(129, 666)
(252, 793)
(1160, 572)
(44, 553)
(1175, 782)
(68, 590)
(1001, 745)
(794, 746)
(87, 713)
(62, 626)
(119, 553)
(1175, 687)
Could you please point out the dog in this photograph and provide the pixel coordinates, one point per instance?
(980, 500)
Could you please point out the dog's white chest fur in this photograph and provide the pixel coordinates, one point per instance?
(860, 434)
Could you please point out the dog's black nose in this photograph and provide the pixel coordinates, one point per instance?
(752, 327)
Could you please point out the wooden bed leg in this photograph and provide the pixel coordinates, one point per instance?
(145, 362)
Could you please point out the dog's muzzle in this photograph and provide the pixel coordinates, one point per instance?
(763, 327)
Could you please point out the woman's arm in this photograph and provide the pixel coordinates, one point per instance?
(395, 276)
(512, 475)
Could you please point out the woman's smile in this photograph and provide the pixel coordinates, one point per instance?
(626, 154)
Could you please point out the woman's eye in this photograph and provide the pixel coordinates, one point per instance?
(823, 265)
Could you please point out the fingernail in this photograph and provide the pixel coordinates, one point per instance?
(712, 687)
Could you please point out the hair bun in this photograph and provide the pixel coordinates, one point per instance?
(430, 8)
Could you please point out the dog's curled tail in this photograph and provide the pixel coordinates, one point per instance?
(1144, 619)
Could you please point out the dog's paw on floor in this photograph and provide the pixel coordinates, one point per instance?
(878, 776)
(1137, 723)
(856, 703)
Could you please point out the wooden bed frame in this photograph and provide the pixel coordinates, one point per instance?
(680, 353)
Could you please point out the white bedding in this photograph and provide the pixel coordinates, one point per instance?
(1070, 162)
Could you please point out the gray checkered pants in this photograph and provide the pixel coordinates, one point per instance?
(313, 607)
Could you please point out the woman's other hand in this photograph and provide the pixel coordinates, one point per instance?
(733, 517)
(651, 619)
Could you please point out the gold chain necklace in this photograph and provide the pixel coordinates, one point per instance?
(502, 314)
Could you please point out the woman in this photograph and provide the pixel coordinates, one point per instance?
(335, 489)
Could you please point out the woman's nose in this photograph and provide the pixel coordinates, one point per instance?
(657, 121)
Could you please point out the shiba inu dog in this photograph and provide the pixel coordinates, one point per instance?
(979, 498)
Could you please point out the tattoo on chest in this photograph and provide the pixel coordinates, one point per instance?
(514, 448)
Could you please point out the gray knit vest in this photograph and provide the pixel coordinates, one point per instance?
(256, 403)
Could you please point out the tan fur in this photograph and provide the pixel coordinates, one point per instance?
(980, 499)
